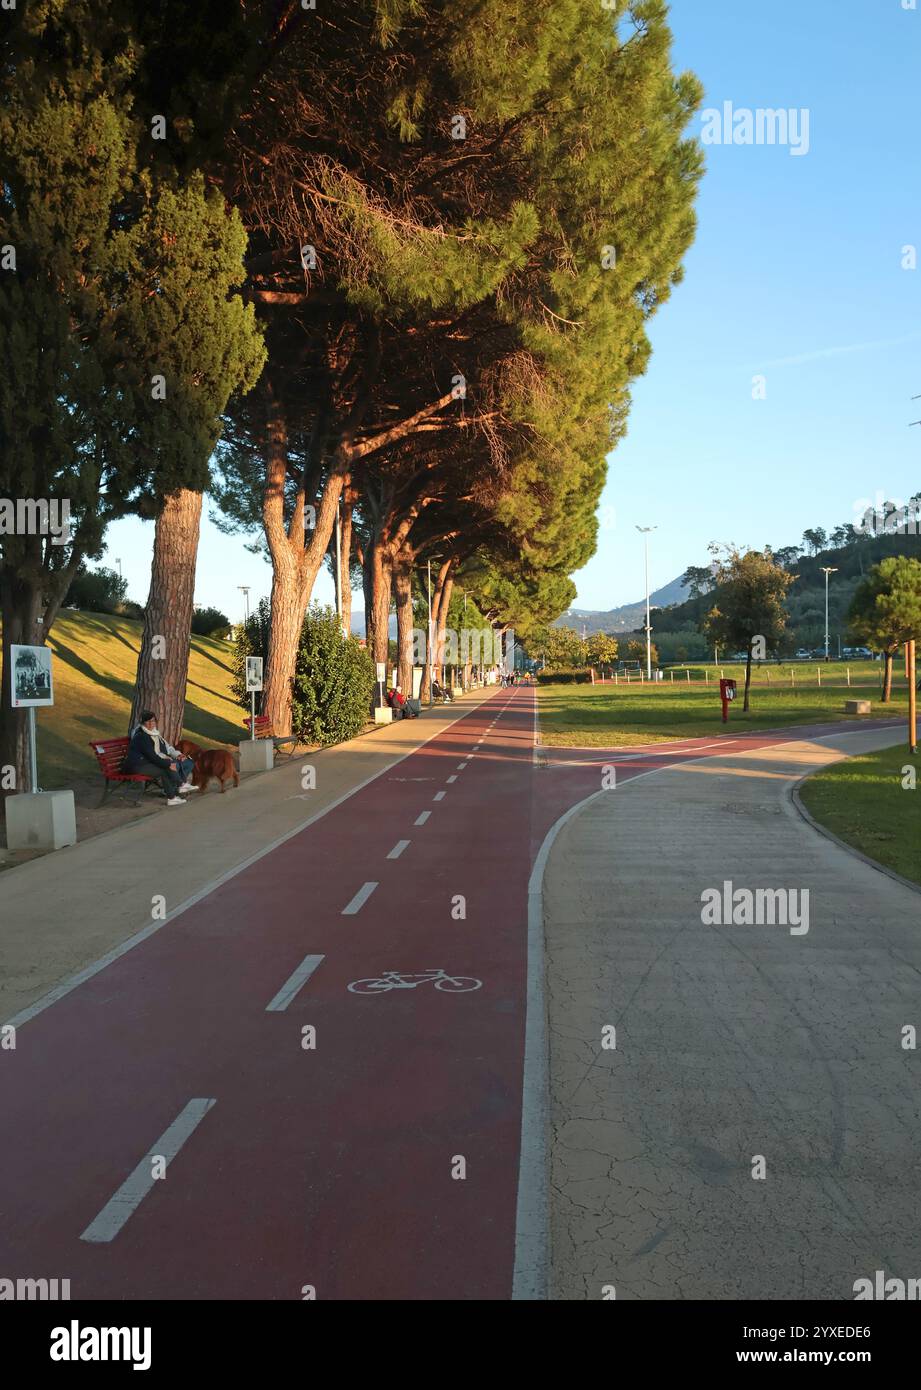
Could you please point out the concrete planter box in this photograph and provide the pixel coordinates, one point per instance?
(383, 714)
(857, 707)
(257, 755)
(45, 820)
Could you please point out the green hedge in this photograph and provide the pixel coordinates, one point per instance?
(333, 679)
(566, 675)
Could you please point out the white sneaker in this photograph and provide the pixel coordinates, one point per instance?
(189, 787)
(175, 801)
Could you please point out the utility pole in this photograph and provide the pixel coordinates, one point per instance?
(645, 530)
(827, 570)
(431, 654)
(910, 652)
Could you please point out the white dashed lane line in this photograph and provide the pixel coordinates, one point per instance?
(453, 777)
(137, 1185)
(290, 988)
(439, 796)
(359, 900)
(398, 849)
(461, 766)
(420, 820)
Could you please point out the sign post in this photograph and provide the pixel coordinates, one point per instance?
(727, 695)
(33, 754)
(256, 754)
(37, 819)
(253, 683)
(31, 687)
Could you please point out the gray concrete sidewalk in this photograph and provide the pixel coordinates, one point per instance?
(732, 1042)
(60, 913)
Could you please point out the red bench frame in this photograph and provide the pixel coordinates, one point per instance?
(110, 754)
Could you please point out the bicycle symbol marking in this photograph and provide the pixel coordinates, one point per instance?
(396, 979)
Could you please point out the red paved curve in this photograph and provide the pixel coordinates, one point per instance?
(329, 1167)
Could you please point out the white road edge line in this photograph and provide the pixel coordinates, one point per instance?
(398, 849)
(359, 900)
(151, 928)
(136, 1186)
(421, 819)
(291, 986)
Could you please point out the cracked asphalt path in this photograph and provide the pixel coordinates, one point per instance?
(732, 1042)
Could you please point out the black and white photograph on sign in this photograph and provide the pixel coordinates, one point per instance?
(254, 673)
(31, 676)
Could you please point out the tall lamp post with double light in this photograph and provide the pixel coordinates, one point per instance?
(827, 570)
(645, 531)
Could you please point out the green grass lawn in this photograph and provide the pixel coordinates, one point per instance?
(95, 662)
(619, 715)
(864, 802)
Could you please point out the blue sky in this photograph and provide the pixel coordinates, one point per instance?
(796, 275)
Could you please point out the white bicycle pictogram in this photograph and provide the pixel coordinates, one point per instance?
(395, 979)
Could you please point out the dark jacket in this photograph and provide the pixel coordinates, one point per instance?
(142, 749)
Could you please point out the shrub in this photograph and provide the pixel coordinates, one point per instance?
(96, 591)
(565, 675)
(333, 679)
(209, 622)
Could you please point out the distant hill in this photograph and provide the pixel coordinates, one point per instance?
(626, 618)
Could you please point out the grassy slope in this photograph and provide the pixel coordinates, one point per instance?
(95, 661)
(863, 801)
(612, 715)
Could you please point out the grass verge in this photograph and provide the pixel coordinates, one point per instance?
(868, 802)
(602, 716)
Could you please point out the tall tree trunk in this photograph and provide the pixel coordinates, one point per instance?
(403, 593)
(430, 636)
(296, 562)
(378, 580)
(887, 677)
(443, 607)
(345, 578)
(163, 661)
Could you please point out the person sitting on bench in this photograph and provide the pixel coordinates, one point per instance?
(439, 692)
(398, 703)
(147, 754)
(184, 766)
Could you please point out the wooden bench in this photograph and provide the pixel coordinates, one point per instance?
(110, 754)
(264, 729)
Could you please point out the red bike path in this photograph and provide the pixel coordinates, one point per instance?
(332, 1168)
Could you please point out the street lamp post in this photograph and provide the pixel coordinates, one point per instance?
(827, 570)
(644, 531)
(244, 590)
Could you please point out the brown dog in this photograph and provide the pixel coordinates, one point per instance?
(217, 763)
(188, 749)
